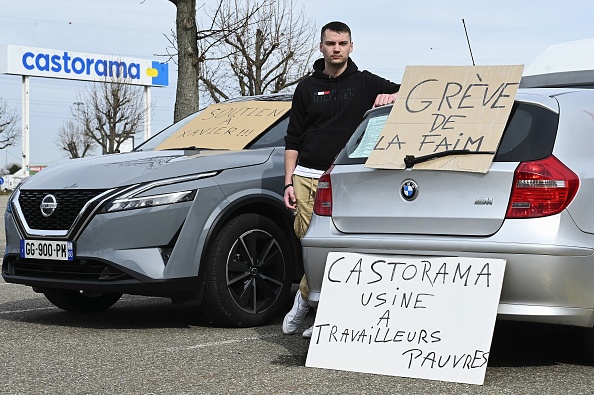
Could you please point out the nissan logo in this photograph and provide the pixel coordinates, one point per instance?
(409, 190)
(48, 205)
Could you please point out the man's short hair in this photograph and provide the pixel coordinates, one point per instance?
(335, 26)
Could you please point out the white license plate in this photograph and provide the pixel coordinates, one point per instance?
(47, 249)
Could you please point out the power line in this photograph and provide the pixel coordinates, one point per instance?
(62, 21)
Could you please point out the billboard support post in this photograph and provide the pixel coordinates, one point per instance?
(147, 112)
(25, 126)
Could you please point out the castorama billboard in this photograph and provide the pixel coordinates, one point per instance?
(69, 65)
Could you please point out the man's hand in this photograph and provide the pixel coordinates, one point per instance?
(290, 201)
(290, 163)
(384, 99)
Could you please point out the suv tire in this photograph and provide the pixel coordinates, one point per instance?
(81, 301)
(248, 273)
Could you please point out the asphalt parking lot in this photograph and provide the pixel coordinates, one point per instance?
(149, 346)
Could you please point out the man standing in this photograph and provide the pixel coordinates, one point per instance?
(327, 108)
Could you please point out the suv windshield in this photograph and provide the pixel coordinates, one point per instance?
(231, 125)
(157, 139)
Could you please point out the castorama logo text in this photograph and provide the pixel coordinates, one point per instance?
(81, 66)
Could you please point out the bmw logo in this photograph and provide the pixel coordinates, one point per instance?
(409, 190)
(48, 205)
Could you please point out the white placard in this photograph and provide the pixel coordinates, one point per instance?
(422, 317)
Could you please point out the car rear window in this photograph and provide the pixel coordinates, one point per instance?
(529, 135)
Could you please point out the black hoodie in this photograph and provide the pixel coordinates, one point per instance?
(326, 111)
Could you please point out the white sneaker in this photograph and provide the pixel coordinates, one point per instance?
(295, 317)
(308, 332)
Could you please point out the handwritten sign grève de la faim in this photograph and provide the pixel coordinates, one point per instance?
(447, 108)
(229, 126)
(422, 317)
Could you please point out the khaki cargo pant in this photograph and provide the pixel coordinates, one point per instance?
(305, 193)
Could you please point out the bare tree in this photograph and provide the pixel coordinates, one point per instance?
(9, 132)
(243, 48)
(72, 139)
(188, 49)
(112, 113)
(269, 46)
(185, 45)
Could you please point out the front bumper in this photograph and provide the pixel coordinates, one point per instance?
(17, 271)
(148, 251)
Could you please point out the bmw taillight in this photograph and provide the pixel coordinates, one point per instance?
(541, 188)
(323, 201)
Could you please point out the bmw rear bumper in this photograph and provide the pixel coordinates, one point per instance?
(549, 275)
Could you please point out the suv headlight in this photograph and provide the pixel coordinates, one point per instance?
(129, 203)
(131, 199)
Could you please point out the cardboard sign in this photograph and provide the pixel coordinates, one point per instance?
(428, 318)
(447, 108)
(229, 126)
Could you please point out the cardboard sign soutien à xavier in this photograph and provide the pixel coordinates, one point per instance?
(227, 126)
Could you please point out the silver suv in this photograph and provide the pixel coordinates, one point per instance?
(192, 224)
(533, 208)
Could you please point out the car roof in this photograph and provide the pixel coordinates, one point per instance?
(566, 64)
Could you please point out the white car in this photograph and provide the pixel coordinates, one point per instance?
(532, 208)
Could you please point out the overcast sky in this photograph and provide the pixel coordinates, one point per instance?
(387, 36)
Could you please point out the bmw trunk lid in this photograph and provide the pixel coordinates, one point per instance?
(420, 201)
(438, 202)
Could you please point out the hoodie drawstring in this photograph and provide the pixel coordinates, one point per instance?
(336, 96)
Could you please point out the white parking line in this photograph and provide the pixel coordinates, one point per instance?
(222, 342)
